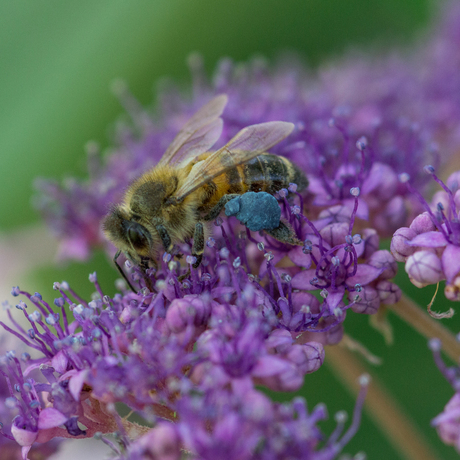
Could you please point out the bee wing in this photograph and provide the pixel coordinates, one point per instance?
(199, 134)
(247, 144)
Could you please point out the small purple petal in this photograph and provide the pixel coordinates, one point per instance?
(51, 418)
(23, 437)
(268, 366)
(76, 383)
(364, 275)
(279, 341)
(334, 298)
(302, 280)
(429, 240)
(299, 257)
(335, 234)
(451, 262)
(60, 361)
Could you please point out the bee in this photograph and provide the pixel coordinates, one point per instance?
(175, 201)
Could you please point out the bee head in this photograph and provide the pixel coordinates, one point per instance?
(129, 236)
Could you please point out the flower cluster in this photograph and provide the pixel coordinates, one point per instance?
(189, 349)
(430, 246)
(378, 111)
(191, 352)
(9, 448)
(191, 344)
(448, 422)
(418, 87)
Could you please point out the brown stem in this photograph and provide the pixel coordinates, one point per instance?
(164, 412)
(381, 407)
(430, 328)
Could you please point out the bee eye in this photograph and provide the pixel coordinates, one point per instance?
(136, 237)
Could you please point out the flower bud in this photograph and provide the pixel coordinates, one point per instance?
(399, 247)
(335, 233)
(422, 224)
(389, 293)
(368, 301)
(307, 357)
(384, 260)
(187, 311)
(448, 423)
(279, 341)
(424, 268)
(160, 443)
(371, 242)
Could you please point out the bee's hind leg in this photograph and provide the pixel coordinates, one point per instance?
(285, 234)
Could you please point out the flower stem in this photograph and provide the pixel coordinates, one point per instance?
(428, 327)
(381, 407)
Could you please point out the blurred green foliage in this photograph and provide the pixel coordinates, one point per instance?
(57, 61)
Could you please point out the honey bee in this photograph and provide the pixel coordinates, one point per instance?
(189, 187)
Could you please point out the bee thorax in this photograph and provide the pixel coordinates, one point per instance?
(148, 198)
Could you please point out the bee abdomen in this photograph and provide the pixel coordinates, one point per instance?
(270, 173)
(264, 173)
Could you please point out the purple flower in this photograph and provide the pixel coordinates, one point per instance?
(12, 434)
(191, 353)
(340, 141)
(162, 442)
(431, 245)
(188, 350)
(244, 424)
(448, 422)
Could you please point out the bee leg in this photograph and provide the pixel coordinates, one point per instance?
(182, 277)
(216, 210)
(144, 265)
(122, 273)
(285, 234)
(198, 244)
(165, 238)
(197, 249)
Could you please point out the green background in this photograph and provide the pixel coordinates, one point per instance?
(57, 61)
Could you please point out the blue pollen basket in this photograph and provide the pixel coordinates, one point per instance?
(257, 211)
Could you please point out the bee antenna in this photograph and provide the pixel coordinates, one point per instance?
(122, 273)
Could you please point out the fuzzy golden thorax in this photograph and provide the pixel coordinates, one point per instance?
(133, 226)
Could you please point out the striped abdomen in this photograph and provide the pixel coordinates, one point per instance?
(264, 173)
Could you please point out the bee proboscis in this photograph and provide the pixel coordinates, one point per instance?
(189, 187)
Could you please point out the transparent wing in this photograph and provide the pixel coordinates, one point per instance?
(247, 144)
(199, 134)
